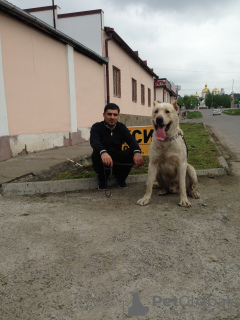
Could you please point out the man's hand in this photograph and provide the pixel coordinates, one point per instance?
(106, 159)
(138, 159)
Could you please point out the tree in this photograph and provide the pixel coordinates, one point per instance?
(180, 102)
(208, 100)
(190, 102)
(218, 100)
(226, 102)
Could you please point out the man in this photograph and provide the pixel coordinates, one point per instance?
(106, 139)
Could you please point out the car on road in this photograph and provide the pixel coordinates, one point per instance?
(216, 112)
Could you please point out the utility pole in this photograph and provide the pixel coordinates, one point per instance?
(232, 97)
(54, 20)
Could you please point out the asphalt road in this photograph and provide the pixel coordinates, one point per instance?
(226, 130)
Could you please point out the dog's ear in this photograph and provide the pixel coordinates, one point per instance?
(155, 103)
(175, 105)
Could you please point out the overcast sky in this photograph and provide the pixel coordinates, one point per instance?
(191, 43)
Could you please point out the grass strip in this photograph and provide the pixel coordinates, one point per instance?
(202, 154)
(194, 115)
(232, 112)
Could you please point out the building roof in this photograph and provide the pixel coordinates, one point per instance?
(30, 20)
(41, 9)
(215, 90)
(134, 54)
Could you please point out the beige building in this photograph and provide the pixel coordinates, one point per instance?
(131, 81)
(50, 85)
(54, 85)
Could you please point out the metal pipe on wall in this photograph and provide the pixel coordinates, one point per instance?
(54, 20)
(107, 68)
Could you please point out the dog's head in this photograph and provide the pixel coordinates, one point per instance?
(165, 119)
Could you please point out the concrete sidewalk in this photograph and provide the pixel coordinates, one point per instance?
(35, 163)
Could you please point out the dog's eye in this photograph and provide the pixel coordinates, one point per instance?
(167, 111)
(156, 111)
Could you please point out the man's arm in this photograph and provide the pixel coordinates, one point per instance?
(95, 138)
(96, 144)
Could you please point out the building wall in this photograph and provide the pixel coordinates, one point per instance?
(34, 66)
(129, 69)
(85, 29)
(163, 95)
(90, 93)
(166, 96)
(159, 94)
(46, 91)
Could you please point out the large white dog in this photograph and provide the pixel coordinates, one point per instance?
(168, 157)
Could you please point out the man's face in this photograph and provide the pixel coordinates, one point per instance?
(111, 117)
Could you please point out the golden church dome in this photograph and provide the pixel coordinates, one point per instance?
(205, 90)
(196, 95)
(215, 90)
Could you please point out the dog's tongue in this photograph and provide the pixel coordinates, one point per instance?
(161, 134)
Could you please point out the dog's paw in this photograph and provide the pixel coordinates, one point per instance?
(194, 194)
(143, 202)
(185, 203)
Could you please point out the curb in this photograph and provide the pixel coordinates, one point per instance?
(43, 187)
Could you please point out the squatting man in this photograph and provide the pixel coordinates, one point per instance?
(106, 139)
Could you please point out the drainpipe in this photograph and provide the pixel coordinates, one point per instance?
(154, 83)
(54, 20)
(107, 68)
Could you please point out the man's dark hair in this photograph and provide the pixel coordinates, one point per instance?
(112, 106)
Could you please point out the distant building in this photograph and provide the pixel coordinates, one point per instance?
(205, 91)
(215, 91)
(166, 91)
(196, 95)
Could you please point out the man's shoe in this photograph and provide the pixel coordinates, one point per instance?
(122, 184)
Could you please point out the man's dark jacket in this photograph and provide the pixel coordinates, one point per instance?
(102, 139)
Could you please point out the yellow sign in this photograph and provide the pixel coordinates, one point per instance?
(143, 135)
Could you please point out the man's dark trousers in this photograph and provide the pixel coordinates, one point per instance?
(124, 157)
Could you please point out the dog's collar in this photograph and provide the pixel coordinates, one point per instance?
(174, 137)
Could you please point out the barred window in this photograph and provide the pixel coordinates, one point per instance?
(149, 97)
(142, 94)
(134, 90)
(116, 82)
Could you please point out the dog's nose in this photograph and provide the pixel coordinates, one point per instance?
(159, 121)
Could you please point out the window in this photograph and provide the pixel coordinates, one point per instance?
(149, 97)
(116, 82)
(134, 90)
(142, 94)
